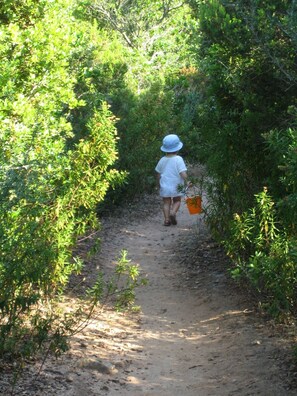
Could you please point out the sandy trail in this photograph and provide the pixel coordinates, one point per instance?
(196, 335)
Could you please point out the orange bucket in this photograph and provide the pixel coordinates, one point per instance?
(194, 204)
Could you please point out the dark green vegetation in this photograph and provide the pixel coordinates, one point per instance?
(88, 90)
(246, 124)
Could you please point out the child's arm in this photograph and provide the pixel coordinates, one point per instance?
(158, 176)
(184, 175)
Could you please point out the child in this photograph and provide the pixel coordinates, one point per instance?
(171, 172)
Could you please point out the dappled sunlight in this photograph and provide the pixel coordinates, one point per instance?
(161, 351)
(225, 314)
(132, 233)
(189, 335)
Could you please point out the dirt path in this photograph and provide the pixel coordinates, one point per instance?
(196, 334)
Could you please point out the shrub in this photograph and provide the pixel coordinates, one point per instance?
(51, 181)
(265, 255)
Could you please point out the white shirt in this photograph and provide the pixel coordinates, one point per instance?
(170, 169)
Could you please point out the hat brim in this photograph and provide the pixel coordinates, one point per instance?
(173, 149)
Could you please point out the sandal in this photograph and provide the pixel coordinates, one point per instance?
(173, 219)
(167, 223)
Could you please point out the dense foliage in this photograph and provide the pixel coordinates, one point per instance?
(154, 34)
(246, 121)
(88, 90)
(51, 178)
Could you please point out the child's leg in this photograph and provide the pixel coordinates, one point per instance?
(176, 205)
(166, 209)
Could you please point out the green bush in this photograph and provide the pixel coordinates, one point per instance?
(141, 132)
(246, 55)
(245, 126)
(282, 149)
(51, 176)
(265, 255)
